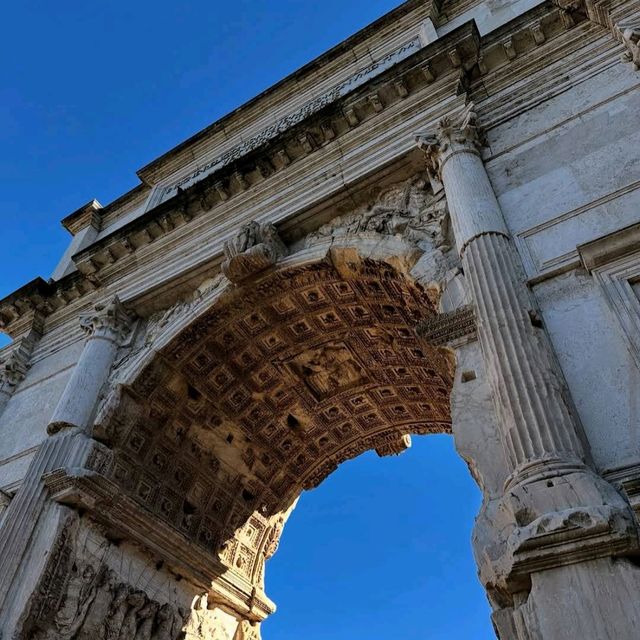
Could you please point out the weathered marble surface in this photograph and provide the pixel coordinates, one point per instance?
(261, 323)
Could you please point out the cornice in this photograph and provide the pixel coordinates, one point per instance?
(524, 35)
(88, 214)
(432, 7)
(39, 299)
(462, 51)
(18, 308)
(116, 206)
(456, 51)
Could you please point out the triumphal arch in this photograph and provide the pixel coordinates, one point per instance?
(432, 228)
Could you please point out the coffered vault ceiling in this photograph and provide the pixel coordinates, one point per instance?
(265, 394)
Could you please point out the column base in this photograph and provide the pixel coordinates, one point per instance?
(562, 514)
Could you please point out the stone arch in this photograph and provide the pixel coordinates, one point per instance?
(234, 403)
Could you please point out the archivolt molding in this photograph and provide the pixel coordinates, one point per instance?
(161, 328)
(256, 387)
(243, 397)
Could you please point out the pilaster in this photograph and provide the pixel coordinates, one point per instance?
(69, 447)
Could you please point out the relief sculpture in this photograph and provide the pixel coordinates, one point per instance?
(628, 32)
(328, 369)
(254, 248)
(91, 602)
(409, 211)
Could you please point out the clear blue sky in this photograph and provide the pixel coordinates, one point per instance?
(91, 91)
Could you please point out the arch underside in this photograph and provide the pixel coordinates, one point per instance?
(268, 391)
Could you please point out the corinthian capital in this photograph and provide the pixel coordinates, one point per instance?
(452, 134)
(108, 320)
(13, 369)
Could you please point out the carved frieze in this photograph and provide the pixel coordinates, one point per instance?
(358, 79)
(248, 631)
(81, 597)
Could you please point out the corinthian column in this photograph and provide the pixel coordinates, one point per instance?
(31, 521)
(106, 327)
(560, 510)
(530, 394)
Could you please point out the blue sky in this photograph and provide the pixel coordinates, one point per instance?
(91, 91)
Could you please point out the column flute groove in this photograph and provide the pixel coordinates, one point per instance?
(68, 446)
(528, 389)
(548, 455)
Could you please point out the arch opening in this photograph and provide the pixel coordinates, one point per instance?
(261, 397)
(375, 547)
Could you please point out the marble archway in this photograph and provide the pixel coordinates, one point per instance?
(224, 415)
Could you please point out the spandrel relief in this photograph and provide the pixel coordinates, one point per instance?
(410, 211)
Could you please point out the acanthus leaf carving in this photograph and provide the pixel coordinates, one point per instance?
(108, 320)
(14, 366)
(273, 539)
(450, 134)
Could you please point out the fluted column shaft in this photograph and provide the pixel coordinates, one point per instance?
(529, 391)
(69, 447)
(105, 329)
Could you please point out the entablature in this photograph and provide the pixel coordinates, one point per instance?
(321, 131)
(428, 81)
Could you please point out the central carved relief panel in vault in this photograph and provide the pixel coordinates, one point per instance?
(266, 393)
